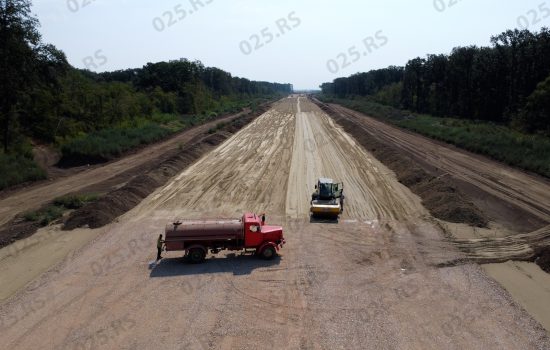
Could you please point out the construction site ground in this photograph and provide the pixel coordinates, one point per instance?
(372, 280)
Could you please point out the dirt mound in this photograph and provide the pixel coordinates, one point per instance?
(544, 260)
(444, 200)
(439, 196)
(118, 202)
(17, 229)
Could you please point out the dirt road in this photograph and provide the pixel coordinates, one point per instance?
(32, 197)
(523, 197)
(366, 282)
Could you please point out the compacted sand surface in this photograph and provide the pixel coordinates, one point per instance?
(369, 281)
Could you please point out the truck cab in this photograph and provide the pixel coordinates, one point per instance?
(257, 235)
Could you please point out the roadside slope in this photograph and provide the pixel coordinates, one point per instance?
(34, 196)
(525, 194)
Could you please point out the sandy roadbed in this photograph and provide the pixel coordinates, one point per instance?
(369, 281)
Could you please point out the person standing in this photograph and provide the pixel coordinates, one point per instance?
(160, 242)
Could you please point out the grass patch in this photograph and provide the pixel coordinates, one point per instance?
(529, 152)
(16, 169)
(217, 128)
(74, 201)
(54, 211)
(44, 216)
(104, 145)
(101, 146)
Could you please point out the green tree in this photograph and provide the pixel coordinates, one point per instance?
(18, 39)
(535, 117)
(414, 90)
(491, 83)
(26, 62)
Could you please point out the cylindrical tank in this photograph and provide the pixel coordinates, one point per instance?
(205, 229)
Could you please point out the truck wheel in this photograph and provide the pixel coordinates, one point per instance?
(196, 255)
(268, 253)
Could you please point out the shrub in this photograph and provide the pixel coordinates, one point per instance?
(44, 216)
(16, 169)
(535, 117)
(107, 144)
(54, 211)
(74, 201)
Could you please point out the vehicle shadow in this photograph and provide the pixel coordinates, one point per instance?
(320, 220)
(232, 263)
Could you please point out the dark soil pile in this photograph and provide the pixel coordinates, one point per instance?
(17, 229)
(544, 260)
(439, 196)
(118, 202)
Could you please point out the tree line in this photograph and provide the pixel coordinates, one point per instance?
(43, 97)
(507, 82)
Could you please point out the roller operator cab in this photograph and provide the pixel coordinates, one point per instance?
(328, 199)
(248, 234)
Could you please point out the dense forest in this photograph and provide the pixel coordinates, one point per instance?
(507, 83)
(44, 99)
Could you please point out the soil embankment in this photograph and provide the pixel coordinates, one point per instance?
(126, 181)
(458, 186)
(119, 201)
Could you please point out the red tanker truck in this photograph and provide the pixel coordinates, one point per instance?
(197, 237)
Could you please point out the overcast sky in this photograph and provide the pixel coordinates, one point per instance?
(300, 37)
